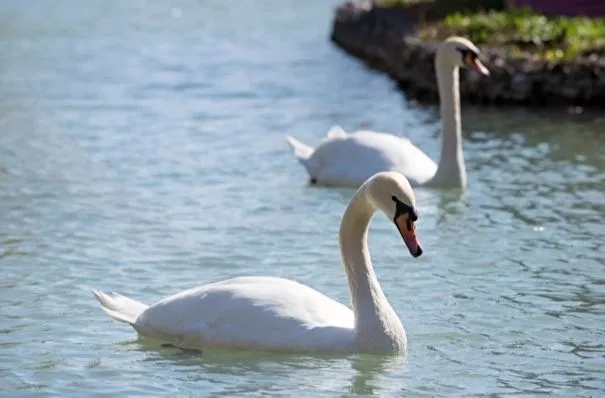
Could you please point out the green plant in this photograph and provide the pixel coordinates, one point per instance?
(523, 29)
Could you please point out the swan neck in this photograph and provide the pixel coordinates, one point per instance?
(377, 326)
(451, 168)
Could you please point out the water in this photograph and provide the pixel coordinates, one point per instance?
(142, 151)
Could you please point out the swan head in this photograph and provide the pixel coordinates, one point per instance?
(460, 52)
(391, 192)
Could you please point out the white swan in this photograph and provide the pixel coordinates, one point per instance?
(348, 159)
(270, 313)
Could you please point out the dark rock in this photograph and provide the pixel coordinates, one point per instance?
(384, 39)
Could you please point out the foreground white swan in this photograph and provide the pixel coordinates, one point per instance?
(279, 314)
(348, 159)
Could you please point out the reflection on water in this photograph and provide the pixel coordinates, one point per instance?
(369, 372)
(360, 375)
(142, 151)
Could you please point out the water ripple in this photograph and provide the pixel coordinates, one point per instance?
(142, 151)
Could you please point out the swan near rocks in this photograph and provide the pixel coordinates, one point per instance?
(270, 313)
(348, 159)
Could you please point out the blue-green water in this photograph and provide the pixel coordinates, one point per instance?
(142, 151)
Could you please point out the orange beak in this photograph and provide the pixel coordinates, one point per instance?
(407, 229)
(472, 62)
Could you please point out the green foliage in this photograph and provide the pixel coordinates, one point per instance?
(461, 4)
(521, 29)
(401, 3)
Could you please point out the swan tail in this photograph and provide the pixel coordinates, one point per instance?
(301, 151)
(119, 307)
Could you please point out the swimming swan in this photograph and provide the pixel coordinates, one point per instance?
(348, 159)
(270, 313)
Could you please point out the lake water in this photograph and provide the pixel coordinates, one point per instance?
(142, 151)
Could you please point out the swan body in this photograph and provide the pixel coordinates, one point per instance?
(344, 159)
(248, 312)
(270, 313)
(348, 159)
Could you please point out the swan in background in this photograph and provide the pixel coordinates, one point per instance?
(271, 313)
(348, 159)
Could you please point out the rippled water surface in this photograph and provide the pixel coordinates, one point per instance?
(142, 151)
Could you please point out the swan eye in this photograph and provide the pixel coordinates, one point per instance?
(402, 208)
(465, 52)
(468, 56)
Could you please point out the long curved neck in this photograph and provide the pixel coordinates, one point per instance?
(377, 326)
(451, 170)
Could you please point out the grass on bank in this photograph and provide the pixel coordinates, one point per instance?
(517, 30)
(458, 4)
(555, 38)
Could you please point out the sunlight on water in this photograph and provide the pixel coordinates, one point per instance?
(142, 151)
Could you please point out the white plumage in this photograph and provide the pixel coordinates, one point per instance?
(279, 314)
(348, 159)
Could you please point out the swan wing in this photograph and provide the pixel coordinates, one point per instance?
(251, 312)
(336, 132)
(350, 159)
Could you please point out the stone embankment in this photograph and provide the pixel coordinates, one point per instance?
(384, 38)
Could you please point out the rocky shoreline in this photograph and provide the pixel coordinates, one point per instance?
(384, 39)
